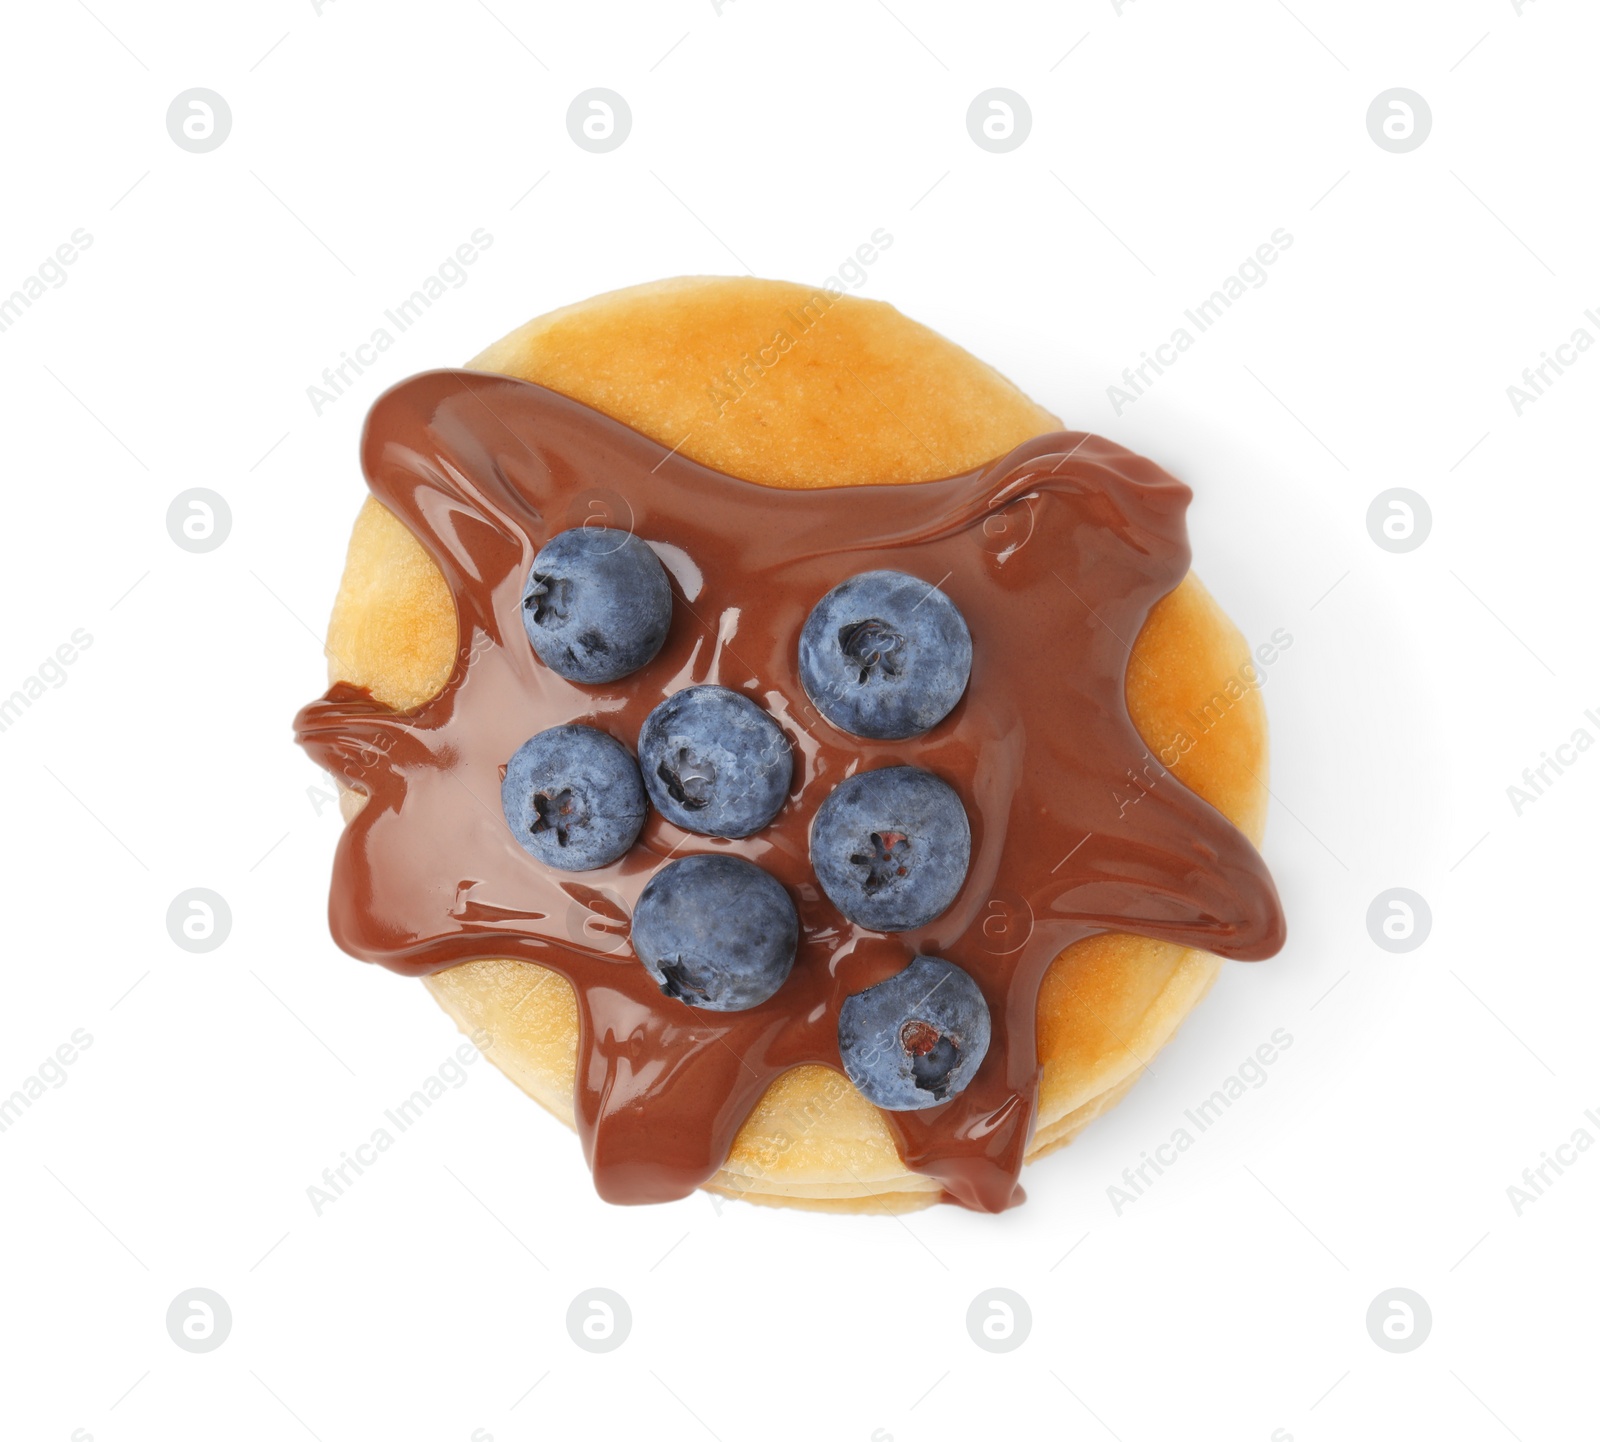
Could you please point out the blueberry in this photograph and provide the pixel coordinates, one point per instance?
(916, 1039)
(716, 932)
(885, 655)
(714, 762)
(891, 847)
(597, 604)
(573, 798)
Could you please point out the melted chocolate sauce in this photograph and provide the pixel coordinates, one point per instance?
(1054, 554)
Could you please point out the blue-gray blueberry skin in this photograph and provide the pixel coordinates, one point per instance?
(716, 932)
(597, 604)
(891, 847)
(573, 798)
(714, 762)
(917, 1039)
(885, 655)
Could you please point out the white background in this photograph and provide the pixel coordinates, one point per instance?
(367, 142)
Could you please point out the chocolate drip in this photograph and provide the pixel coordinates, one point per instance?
(1054, 554)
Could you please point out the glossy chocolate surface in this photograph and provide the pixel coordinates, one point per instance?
(1054, 554)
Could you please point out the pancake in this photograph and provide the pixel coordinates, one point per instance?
(757, 379)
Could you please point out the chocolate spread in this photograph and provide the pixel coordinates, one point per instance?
(1054, 554)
